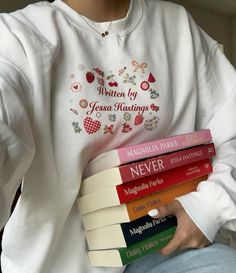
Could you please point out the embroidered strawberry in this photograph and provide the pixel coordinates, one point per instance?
(91, 126)
(138, 119)
(90, 77)
(151, 78)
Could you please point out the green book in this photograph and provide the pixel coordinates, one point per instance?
(122, 256)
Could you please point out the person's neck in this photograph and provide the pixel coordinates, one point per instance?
(100, 10)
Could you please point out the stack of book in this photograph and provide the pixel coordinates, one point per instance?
(122, 185)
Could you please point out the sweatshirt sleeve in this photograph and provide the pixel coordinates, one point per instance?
(16, 141)
(213, 205)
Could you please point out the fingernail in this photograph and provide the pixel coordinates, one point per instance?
(153, 212)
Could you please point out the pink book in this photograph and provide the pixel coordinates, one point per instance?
(144, 150)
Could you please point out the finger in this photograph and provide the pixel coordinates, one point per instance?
(163, 211)
(195, 245)
(173, 245)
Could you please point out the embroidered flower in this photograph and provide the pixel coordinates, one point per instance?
(108, 129)
(112, 117)
(99, 72)
(154, 107)
(100, 81)
(129, 79)
(151, 124)
(126, 128)
(127, 116)
(77, 129)
(153, 94)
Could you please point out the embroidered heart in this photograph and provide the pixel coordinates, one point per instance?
(76, 87)
(91, 126)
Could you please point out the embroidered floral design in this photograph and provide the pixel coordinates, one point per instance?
(112, 117)
(153, 94)
(101, 81)
(81, 67)
(98, 114)
(108, 129)
(127, 116)
(126, 128)
(151, 124)
(129, 79)
(154, 107)
(77, 129)
(122, 70)
(127, 94)
(99, 76)
(99, 72)
(74, 111)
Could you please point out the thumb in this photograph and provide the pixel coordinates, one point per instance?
(163, 211)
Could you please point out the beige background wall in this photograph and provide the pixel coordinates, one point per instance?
(219, 26)
(233, 24)
(10, 5)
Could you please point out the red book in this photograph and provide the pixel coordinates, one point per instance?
(124, 155)
(127, 192)
(133, 171)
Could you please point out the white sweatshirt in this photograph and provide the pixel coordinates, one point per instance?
(67, 94)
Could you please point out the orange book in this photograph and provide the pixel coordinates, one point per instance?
(137, 208)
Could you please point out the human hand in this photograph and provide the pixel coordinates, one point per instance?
(187, 234)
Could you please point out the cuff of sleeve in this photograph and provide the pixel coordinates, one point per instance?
(209, 208)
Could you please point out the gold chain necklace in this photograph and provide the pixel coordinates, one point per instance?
(103, 34)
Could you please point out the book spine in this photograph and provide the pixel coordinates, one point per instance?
(160, 181)
(162, 146)
(137, 170)
(145, 227)
(140, 207)
(146, 246)
(124, 256)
